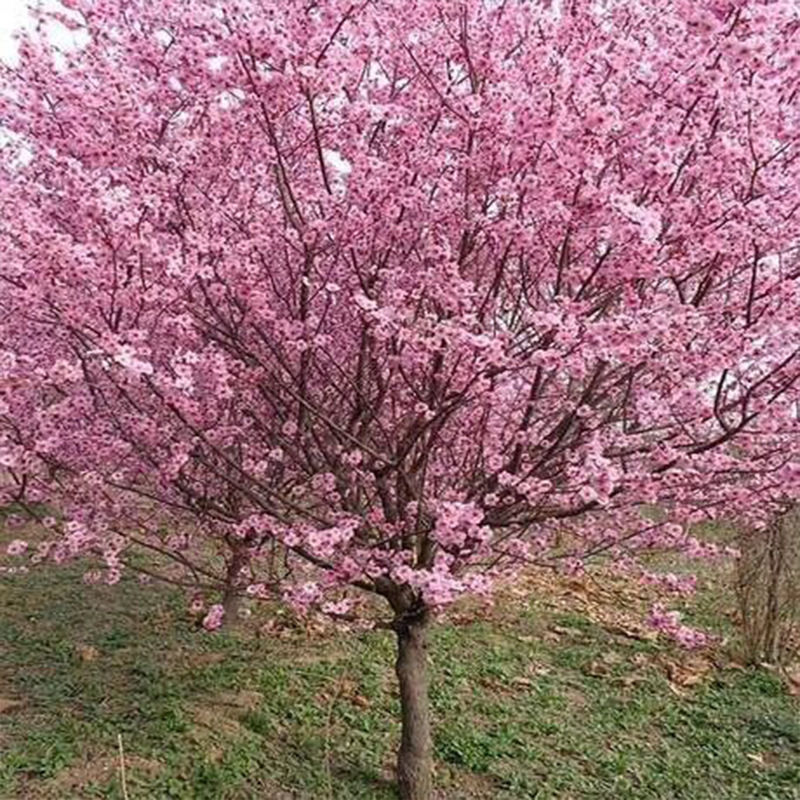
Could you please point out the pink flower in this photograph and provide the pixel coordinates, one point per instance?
(17, 547)
(213, 619)
(668, 623)
(337, 609)
(197, 605)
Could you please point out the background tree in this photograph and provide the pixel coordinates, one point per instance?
(768, 590)
(399, 296)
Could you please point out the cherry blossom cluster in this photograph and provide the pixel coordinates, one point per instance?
(669, 623)
(402, 296)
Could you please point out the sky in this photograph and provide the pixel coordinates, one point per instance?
(12, 16)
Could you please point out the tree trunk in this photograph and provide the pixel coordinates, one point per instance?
(415, 757)
(231, 600)
(777, 568)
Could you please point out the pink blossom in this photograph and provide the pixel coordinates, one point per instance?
(213, 619)
(339, 608)
(668, 623)
(17, 547)
(406, 335)
(197, 605)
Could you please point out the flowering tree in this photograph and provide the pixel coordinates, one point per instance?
(399, 295)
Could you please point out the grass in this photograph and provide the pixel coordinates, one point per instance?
(536, 703)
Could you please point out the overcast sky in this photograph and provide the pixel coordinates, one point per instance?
(12, 16)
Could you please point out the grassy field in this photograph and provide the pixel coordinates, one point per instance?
(537, 702)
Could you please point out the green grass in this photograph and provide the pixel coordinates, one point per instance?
(518, 714)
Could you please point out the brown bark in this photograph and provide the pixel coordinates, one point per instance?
(415, 757)
(769, 606)
(231, 600)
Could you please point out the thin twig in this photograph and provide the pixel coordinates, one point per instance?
(122, 768)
